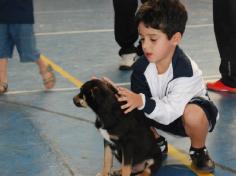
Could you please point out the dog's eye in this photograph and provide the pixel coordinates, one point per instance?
(80, 96)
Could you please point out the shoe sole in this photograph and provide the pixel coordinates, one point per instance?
(203, 171)
(218, 90)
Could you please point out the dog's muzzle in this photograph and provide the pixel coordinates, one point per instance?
(79, 102)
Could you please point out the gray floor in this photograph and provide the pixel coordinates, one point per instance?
(44, 134)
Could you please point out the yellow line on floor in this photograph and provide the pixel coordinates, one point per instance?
(65, 74)
(183, 158)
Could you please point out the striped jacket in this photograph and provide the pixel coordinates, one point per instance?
(165, 96)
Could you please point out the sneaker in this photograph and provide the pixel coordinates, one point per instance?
(162, 143)
(127, 60)
(220, 86)
(201, 160)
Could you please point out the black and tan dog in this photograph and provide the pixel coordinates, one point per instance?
(126, 135)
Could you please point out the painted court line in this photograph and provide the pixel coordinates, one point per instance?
(40, 90)
(183, 158)
(65, 74)
(74, 32)
(63, 11)
(66, 89)
(105, 30)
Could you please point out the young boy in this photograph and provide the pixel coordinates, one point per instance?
(167, 85)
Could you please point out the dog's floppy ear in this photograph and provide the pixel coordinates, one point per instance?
(113, 89)
(110, 84)
(93, 92)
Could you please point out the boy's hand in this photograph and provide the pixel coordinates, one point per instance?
(133, 100)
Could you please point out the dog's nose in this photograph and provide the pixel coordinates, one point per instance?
(76, 101)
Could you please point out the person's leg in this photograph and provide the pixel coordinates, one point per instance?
(225, 32)
(26, 45)
(6, 49)
(126, 32)
(196, 125)
(228, 44)
(3, 75)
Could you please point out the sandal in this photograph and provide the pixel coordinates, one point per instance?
(49, 79)
(3, 88)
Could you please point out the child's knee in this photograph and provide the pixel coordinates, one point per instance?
(194, 116)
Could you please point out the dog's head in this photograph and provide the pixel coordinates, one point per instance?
(97, 95)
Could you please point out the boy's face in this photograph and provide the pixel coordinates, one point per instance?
(156, 46)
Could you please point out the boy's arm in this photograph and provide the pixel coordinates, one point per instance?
(139, 83)
(140, 86)
(172, 106)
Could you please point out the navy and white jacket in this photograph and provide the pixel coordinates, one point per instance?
(165, 96)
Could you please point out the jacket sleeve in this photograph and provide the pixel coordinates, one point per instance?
(180, 91)
(139, 85)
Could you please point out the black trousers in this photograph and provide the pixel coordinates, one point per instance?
(224, 17)
(126, 32)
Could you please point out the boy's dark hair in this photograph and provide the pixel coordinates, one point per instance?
(169, 16)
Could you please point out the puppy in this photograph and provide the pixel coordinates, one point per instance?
(127, 136)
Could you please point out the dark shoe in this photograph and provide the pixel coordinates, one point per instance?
(220, 86)
(162, 143)
(201, 160)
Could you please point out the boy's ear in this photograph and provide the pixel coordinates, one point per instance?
(176, 38)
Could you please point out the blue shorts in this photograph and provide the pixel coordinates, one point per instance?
(21, 36)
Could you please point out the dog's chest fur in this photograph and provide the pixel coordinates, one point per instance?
(105, 135)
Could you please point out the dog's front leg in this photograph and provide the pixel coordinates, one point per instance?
(108, 158)
(126, 170)
(127, 158)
